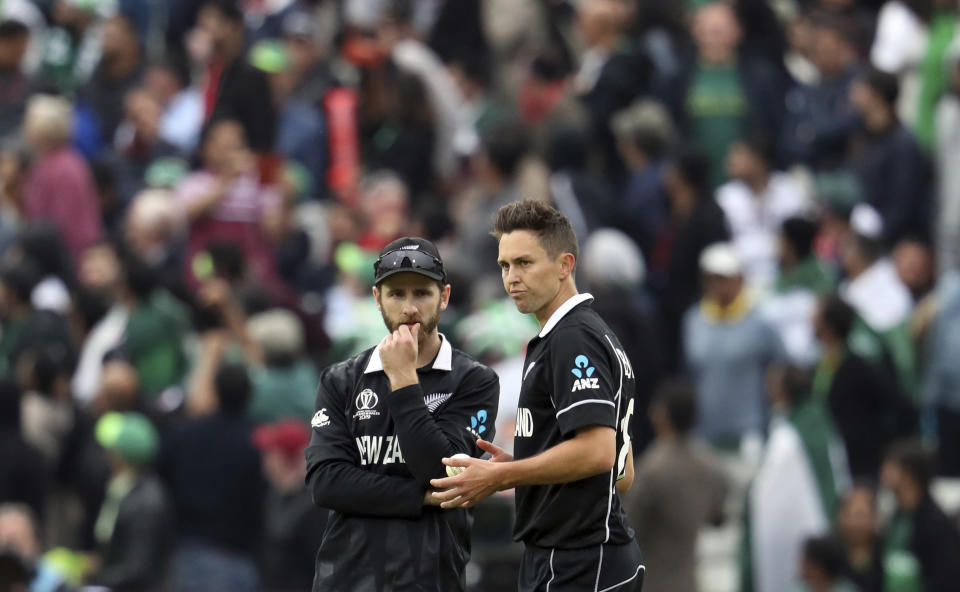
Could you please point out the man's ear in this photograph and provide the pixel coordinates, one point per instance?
(567, 264)
(376, 297)
(444, 297)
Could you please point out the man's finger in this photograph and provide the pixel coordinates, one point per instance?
(447, 495)
(490, 447)
(458, 462)
(458, 502)
(445, 483)
(415, 332)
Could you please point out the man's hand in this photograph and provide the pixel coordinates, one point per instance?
(398, 353)
(480, 480)
(497, 454)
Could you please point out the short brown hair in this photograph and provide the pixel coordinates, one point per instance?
(553, 230)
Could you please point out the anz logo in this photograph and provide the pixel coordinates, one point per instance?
(584, 373)
(477, 422)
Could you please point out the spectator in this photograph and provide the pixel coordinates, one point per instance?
(14, 38)
(863, 401)
(644, 135)
(613, 73)
(823, 567)
(71, 46)
(301, 128)
(155, 329)
(882, 336)
(24, 327)
(213, 474)
(168, 82)
(294, 525)
(137, 143)
(153, 231)
(820, 118)
(921, 544)
(42, 244)
(678, 489)
(800, 476)
(311, 70)
(755, 203)
(134, 529)
(801, 279)
(728, 347)
(913, 260)
(284, 387)
(228, 200)
(720, 96)
(60, 188)
(888, 160)
(696, 221)
(234, 89)
(24, 476)
(857, 527)
(19, 537)
(118, 72)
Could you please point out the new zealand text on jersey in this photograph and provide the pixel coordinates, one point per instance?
(371, 446)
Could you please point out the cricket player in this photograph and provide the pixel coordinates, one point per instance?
(572, 445)
(384, 420)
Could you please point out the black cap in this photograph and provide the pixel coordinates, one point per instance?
(409, 254)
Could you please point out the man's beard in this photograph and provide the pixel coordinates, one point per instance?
(427, 325)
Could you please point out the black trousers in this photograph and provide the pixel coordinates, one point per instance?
(600, 568)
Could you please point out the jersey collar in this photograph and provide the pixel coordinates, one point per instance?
(561, 312)
(443, 361)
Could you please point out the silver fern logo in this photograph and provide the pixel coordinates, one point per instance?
(434, 400)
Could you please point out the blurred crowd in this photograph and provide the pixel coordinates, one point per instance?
(193, 192)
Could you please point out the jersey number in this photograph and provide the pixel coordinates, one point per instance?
(625, 448)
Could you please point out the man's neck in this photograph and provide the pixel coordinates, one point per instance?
(567, 291)
(429, 349)
(909, 498)
(879, 121)
(758, 183)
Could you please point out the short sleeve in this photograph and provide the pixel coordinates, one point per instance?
(586, 380)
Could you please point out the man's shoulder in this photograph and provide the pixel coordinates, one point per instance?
(466, 365)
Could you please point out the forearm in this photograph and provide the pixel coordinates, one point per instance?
(423, 442)
(206, 202)
(572, 460)
(342, 487)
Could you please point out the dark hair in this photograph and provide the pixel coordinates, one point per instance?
(228, 9)
(554, 231)
(885, 85)
(679, 400)
(827, 553)
(401, 12)
(838, 315)
(13, 29)
(228, 261)
(763, 147)
(43, 243)
(21, 278)
(799, 234)
(233, 389)
(694, 169)
(505, 144)
(914, 459)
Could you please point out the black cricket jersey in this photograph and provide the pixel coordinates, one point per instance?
(370, 460)
(576, 375)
